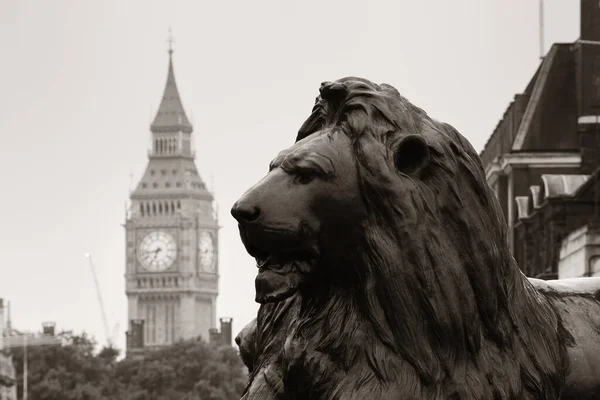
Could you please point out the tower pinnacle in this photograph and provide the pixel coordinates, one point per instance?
(171, 116)
(170, 41)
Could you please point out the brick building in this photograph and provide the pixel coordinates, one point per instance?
(543, 157)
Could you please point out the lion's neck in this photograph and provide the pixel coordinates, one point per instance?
(353, 335)
(335, 341)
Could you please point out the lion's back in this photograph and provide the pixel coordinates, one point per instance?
(577, 302)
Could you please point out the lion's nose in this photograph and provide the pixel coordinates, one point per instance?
(244, 213)
(238, 339)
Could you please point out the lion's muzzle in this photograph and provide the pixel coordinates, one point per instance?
(285, 254)
(244, 213)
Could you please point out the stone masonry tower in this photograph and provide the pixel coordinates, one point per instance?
(171, 236)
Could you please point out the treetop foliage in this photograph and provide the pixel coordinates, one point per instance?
(187, 370)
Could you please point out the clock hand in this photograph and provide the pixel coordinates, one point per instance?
(151, 251)
(155, 254)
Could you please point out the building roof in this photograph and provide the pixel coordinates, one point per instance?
(544, 116)
(171, 177)
(171, 115)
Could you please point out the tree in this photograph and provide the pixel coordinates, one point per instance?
(61, 372)
(187, 370)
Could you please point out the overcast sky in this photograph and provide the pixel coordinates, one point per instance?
(81, 79)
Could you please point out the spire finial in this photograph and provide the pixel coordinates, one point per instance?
(170, 41)
(130, 181)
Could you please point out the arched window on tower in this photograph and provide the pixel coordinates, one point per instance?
(142, 209)
(178, 204)
(160, 208)
(155, 146)
(153, 208)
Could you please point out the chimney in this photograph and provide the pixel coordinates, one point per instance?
(590, 20)
(48, 328)
(588, 85)
(226, 329)
(215, 337)
(135, 336)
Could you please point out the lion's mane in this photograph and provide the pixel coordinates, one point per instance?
(434, 304)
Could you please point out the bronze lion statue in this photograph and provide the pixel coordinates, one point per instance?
(384, 270)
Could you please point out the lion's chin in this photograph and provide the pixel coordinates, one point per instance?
(278, 280)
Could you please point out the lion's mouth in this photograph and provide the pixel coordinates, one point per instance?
(284, 262)
(280, 274)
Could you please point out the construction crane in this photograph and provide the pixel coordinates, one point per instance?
(110, 335)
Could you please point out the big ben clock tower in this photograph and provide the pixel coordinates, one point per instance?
(171, 235)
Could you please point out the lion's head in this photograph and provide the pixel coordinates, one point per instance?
(302, 215)
(381, 214)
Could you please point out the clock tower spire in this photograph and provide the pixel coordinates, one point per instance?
(171, 235)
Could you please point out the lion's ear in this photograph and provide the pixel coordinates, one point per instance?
(412, 155)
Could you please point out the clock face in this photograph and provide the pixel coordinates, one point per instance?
(157, 251)
(206, 252)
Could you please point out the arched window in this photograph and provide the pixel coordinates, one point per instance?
(153, 208)
(142, 209)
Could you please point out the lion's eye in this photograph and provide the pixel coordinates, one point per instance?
(304, 177)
